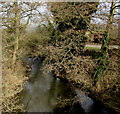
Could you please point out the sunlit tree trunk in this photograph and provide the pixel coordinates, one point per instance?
(17, 22)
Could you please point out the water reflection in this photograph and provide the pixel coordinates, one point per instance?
(40, 95)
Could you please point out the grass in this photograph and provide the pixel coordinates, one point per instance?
(92, 48)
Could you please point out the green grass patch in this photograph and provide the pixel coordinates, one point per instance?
(92, 48)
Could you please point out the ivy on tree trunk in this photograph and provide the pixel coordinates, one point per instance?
(103, 62)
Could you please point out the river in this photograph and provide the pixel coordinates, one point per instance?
(45, 93)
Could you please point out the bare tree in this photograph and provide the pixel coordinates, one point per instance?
(15, 18)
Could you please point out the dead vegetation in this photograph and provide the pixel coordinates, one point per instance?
(13, 77)
(12, 84)
(80, 71)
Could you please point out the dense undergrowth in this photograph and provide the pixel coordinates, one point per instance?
(79, 66)
(13, 76)
(67, 58)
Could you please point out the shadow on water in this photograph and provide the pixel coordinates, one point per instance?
(43, 93)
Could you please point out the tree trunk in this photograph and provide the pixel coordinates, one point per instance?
(17, 22)
(103, 62)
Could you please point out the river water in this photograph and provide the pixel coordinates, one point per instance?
(43, 92)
